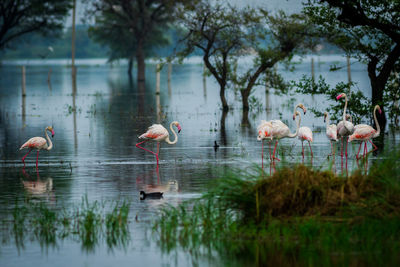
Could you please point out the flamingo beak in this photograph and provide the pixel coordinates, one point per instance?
(304, 110)
(179, 128)
(52, 133)
(380, 111)
(294, 117)
(338, 97)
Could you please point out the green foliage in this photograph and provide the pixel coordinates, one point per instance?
(358, 105)
(132, 28)
(26, 16)
(367, 30)
(392, 96)
(89, 223)
(295, 209)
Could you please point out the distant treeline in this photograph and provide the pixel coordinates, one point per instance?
(37, 46)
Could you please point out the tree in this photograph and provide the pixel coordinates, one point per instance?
(286, 35)
(218, 32)
(19, 17)
(120, 41)
(223, 34)
(368, 30)
(141, 22)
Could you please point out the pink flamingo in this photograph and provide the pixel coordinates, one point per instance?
(38, 143)
(331, 133)
(344, 128)
(158, 133)
(281, 130)
(364, 133)
(264, 132)
(305, 134)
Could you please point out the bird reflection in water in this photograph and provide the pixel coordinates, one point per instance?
(145, 183)
(40, 188)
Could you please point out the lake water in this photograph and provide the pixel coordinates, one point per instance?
(94, 153)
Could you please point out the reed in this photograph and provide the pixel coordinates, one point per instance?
(89, 223)
(295, 209)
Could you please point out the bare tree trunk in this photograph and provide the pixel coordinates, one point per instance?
(130, 66)
(140, 62)
(225, 106)
(73, 50)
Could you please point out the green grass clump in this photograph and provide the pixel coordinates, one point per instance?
(89, 223)
(297, 209)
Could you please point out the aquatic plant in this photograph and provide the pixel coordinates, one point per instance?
(297, 209)
(89, 223)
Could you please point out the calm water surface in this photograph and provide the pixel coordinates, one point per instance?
(94, 151)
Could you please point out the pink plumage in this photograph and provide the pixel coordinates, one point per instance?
(158, 133)
(38, 143)
(364, 133)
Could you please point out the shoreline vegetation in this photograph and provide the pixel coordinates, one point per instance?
(89, 223)
(307, 214)
(298, 215)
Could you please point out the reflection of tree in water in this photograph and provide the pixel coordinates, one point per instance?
(130, 109)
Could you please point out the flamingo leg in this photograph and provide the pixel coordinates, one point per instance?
(262, 154)
(347, 144)
(359, 150)
(375, 147)
(341, 150)
(365, 149)
(312, 154)
(270, 156)
(23, 158)
(273, 155)
(302, 149)
(37, 159)
(138, 146)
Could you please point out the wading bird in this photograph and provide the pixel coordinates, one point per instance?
(158, 133)
(344, 128)
(264, 132)
(364, 133)
(38, 143)
(305, 134)
(331, 132)
(281, 130)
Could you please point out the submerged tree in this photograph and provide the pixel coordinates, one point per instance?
(132, 26)
(367, 30)
(223, 34)
(19, 17)
(219, 33)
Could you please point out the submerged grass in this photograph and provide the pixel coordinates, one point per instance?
(89, 223)
(295, 210)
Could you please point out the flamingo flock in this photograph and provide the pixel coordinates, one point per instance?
(345, 131)
(267, 130)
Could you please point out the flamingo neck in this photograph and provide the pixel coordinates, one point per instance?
(292, 135)
(327, 121)
(50, 146)
(378, 128)
(345, 107)
(176, 137)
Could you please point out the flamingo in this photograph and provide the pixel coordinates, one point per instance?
(264, 132)
(281, 130)
(364, 133)
(158, 133)
(38, 143)
(305, 134)
(344, 128)
(331, 132)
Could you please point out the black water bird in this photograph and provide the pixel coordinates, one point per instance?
(153, 195)
(216, 146)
